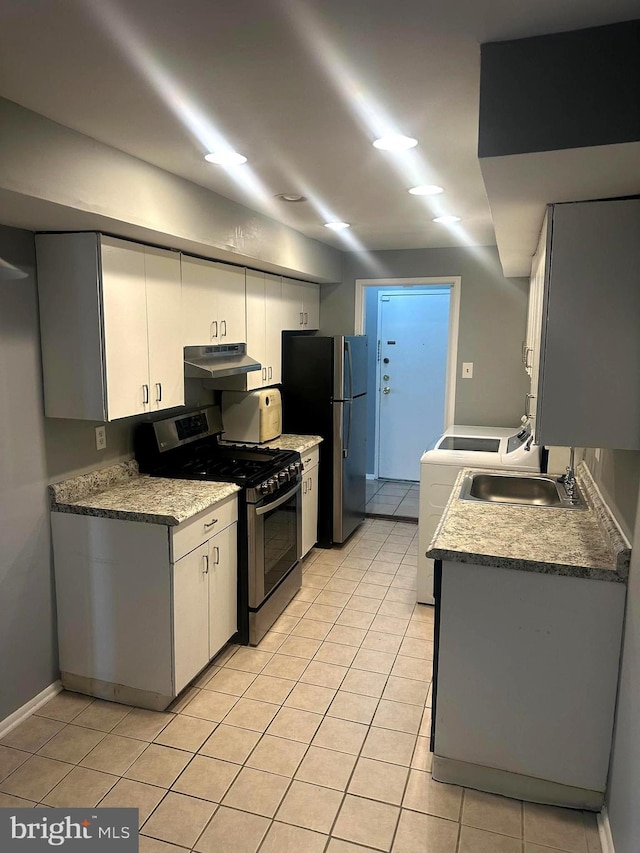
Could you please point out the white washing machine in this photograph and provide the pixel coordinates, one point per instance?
(463, 447)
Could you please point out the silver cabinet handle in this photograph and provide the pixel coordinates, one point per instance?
(270, 373)
(264, 374)
(209, 524)
(310, 483)
(304, 487)
(306, 319)
(158, 392)
(214, 329)
(527, 401)
(301, 319)
(523, 354)
(223, 329)
(216, 553)
(205, 561)
(145, 391)
(526, 356)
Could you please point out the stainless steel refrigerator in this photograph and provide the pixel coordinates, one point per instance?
(324, 392)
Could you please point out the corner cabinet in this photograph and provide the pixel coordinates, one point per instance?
(586, 354)
(213, 303)
(111, 347)
(142, 608)
(309, 535)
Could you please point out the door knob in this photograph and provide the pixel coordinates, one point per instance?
(386, 390)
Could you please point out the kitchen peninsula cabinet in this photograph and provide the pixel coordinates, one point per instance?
(111, 346)
(309, 535)
(302, 305)
(584, 318)
(143, 607)
(264, 329)
(213, 303)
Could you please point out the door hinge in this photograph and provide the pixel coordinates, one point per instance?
(379, 348)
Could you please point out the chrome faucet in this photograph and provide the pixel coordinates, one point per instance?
(568, 479)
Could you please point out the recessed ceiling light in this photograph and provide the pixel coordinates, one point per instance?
(225, 158)
(426, 189)
(395, 142)
(291, 197)
(337, 226)
(447, 220)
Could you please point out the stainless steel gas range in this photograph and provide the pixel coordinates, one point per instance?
(269, 575)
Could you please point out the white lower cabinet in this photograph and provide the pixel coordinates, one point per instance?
(142, 607)
(309, 501)
(204, 604)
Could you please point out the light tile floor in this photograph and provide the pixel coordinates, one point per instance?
(397, 498)
(317, 740)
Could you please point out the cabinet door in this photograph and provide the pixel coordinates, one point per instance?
(293, 314)
(588, 385)
(199, 303)
(190, 615)
(274, 324)
(256, 328)
(309, 511)
(125, 328)
(230, 294)
(223, 588)
(311, 305)
(166, 360)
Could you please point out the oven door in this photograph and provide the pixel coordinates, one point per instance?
(274, 527)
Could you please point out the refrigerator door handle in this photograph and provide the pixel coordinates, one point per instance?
(347, 349)
(345, 450)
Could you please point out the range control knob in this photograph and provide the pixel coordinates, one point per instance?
(271, 485)
(293, 469)
(282, 476)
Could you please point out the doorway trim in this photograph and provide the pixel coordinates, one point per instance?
(453, 281)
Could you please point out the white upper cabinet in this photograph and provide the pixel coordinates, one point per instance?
(301, 304)
(213, 297)
(265, 318)
(110, 342)
(587, 393)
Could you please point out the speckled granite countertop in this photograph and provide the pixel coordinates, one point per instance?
(301, 443)
(577, 543)
(121, 492)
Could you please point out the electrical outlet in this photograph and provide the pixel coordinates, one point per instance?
(467, 370)
(101, 438)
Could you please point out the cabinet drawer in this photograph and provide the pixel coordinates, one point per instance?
(310, 458)
(188, 535)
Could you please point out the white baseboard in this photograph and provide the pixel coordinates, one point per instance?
(604, 830)
(371, 476)
(29, 707)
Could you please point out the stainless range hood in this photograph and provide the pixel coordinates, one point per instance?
(213, 362)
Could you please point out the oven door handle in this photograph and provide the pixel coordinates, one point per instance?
(275, 504)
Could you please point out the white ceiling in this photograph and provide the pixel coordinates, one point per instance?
(301, 87)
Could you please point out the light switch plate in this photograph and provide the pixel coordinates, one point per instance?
(101, 438)
(467, 370)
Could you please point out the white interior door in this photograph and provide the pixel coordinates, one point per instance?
(413, 341)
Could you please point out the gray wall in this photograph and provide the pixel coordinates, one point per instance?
(53, 178)
(618, 476)
(493, 313)
(28, 653)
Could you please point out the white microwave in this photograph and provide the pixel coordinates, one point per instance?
(251, 416)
